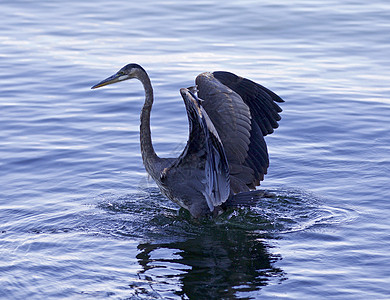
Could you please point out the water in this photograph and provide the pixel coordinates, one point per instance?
(81, 220)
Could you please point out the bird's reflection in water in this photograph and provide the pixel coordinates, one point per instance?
(216, 264)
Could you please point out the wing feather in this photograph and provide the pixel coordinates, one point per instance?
(242, 112)
(204, 151)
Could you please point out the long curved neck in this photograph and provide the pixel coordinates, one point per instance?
(147, 150)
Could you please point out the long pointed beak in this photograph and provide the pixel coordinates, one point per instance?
(110, 80)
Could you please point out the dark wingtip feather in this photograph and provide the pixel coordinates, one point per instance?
(261, 101)
(245, 199)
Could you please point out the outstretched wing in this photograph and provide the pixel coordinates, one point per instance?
(242, 112)
(204, 154)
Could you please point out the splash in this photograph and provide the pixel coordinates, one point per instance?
(149, 214)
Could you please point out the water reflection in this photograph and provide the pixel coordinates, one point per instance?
(218, 263)
(230, 257)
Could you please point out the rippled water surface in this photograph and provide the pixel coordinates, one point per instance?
(80, 219)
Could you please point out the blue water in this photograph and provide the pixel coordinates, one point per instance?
(80, 219)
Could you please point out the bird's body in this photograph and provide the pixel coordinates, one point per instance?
(226, 156)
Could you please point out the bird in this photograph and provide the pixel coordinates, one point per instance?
(226, 156)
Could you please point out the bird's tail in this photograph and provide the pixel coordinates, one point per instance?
(247, 198)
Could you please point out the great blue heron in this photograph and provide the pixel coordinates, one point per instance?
(226, 156)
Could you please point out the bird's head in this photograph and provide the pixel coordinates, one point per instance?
(127, 72)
